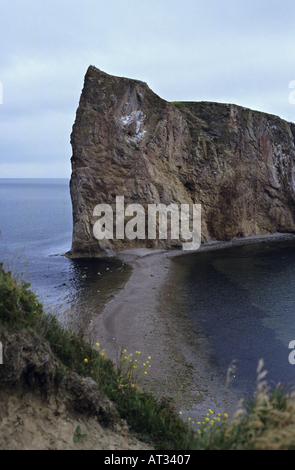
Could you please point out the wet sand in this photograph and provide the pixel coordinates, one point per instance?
(140, 318)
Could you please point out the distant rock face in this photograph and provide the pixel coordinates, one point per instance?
(237, 163)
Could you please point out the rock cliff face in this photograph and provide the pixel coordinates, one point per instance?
(237, 163)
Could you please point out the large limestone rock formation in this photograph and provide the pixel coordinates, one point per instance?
(127, 141)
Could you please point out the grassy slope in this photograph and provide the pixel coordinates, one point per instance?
(267, 423)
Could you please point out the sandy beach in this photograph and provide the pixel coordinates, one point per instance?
(139, 319)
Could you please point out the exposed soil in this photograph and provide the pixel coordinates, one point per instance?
(41, 404)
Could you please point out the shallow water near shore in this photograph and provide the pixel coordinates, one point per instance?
(242, 301)
(35, 231)
(229, 304)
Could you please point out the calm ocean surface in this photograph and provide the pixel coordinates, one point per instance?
(36, 229)
(242, 299)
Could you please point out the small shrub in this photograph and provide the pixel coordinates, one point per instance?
(78, 435)
(267, 421)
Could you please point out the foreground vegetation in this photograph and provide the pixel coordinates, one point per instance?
(267, 422)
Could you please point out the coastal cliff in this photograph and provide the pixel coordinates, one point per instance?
(127, 141)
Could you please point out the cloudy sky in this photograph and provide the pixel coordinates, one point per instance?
(231, 51)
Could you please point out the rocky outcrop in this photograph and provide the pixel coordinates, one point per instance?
(127, 141)
(42, 402)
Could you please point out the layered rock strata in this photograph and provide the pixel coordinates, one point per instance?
(127, 141)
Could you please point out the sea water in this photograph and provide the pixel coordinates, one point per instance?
(36, 232)
(241, 299)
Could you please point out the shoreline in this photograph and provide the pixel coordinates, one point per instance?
(139, 318)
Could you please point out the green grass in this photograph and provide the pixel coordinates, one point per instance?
(151, 420)
(19, 307)
(180, 104)
(265, 422)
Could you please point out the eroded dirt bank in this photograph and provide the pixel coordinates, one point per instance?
(41, 404)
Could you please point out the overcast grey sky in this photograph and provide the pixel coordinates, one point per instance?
(231, 51)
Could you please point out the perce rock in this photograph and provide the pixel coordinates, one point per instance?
(127, 141)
